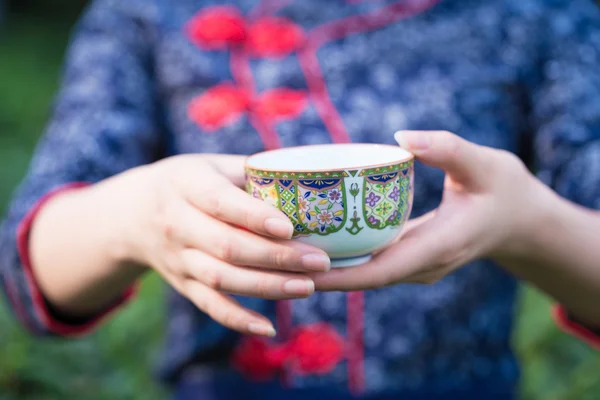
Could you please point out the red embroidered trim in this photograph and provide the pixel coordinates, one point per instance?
(274, 37)
(219, 106)
(283, 321)
(257, 359)
(217, 28)
(336, 30)
(320, 95)
(355, 305)
(379, 18)
(563, 321)
(314, 349)
(39, 303)
(240, 69)
(222, 28)
(279, 104)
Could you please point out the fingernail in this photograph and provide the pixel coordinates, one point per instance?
(316, 262)
(261, 329)
(299, 287)
(412, 140)
(279, 227)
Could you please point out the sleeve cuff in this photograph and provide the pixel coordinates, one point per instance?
(568, 325)
(53, 323)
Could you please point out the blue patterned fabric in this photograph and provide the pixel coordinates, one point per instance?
(520, 75)
(227, 386)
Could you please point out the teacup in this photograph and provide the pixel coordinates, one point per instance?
(348, 199)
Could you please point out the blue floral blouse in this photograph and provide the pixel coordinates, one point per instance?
(146, 79)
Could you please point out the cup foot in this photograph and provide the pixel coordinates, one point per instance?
(350, 261)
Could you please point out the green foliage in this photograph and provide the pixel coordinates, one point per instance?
(555, 365)
(116, 361)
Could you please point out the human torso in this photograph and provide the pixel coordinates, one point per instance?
(363, 70)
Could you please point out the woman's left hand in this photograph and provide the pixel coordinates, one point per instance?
(490, 205)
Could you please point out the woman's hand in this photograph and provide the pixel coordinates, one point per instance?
(209, 239)
(489, 207)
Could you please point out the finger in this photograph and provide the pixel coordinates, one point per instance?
(427, 278)
(416, 222)
(230, 166)
(463, 161)
(410, 225)
(239, 247)
(228, 203)
(227, 311)
(434, 245)
(244, 281)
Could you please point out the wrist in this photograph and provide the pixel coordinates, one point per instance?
(535, 217)
(120, 205)
(79, 248)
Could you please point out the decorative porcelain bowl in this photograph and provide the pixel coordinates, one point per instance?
(348, 199)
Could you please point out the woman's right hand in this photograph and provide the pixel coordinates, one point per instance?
(197, 228)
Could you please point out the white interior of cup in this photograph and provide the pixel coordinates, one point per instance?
(328, 157)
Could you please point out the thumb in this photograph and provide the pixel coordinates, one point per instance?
(463, 161)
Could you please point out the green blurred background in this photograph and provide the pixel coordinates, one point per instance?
(116, 361)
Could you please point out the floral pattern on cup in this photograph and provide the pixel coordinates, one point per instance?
(316, 203)
(386, 196)
(322, 206)
(264, 189)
